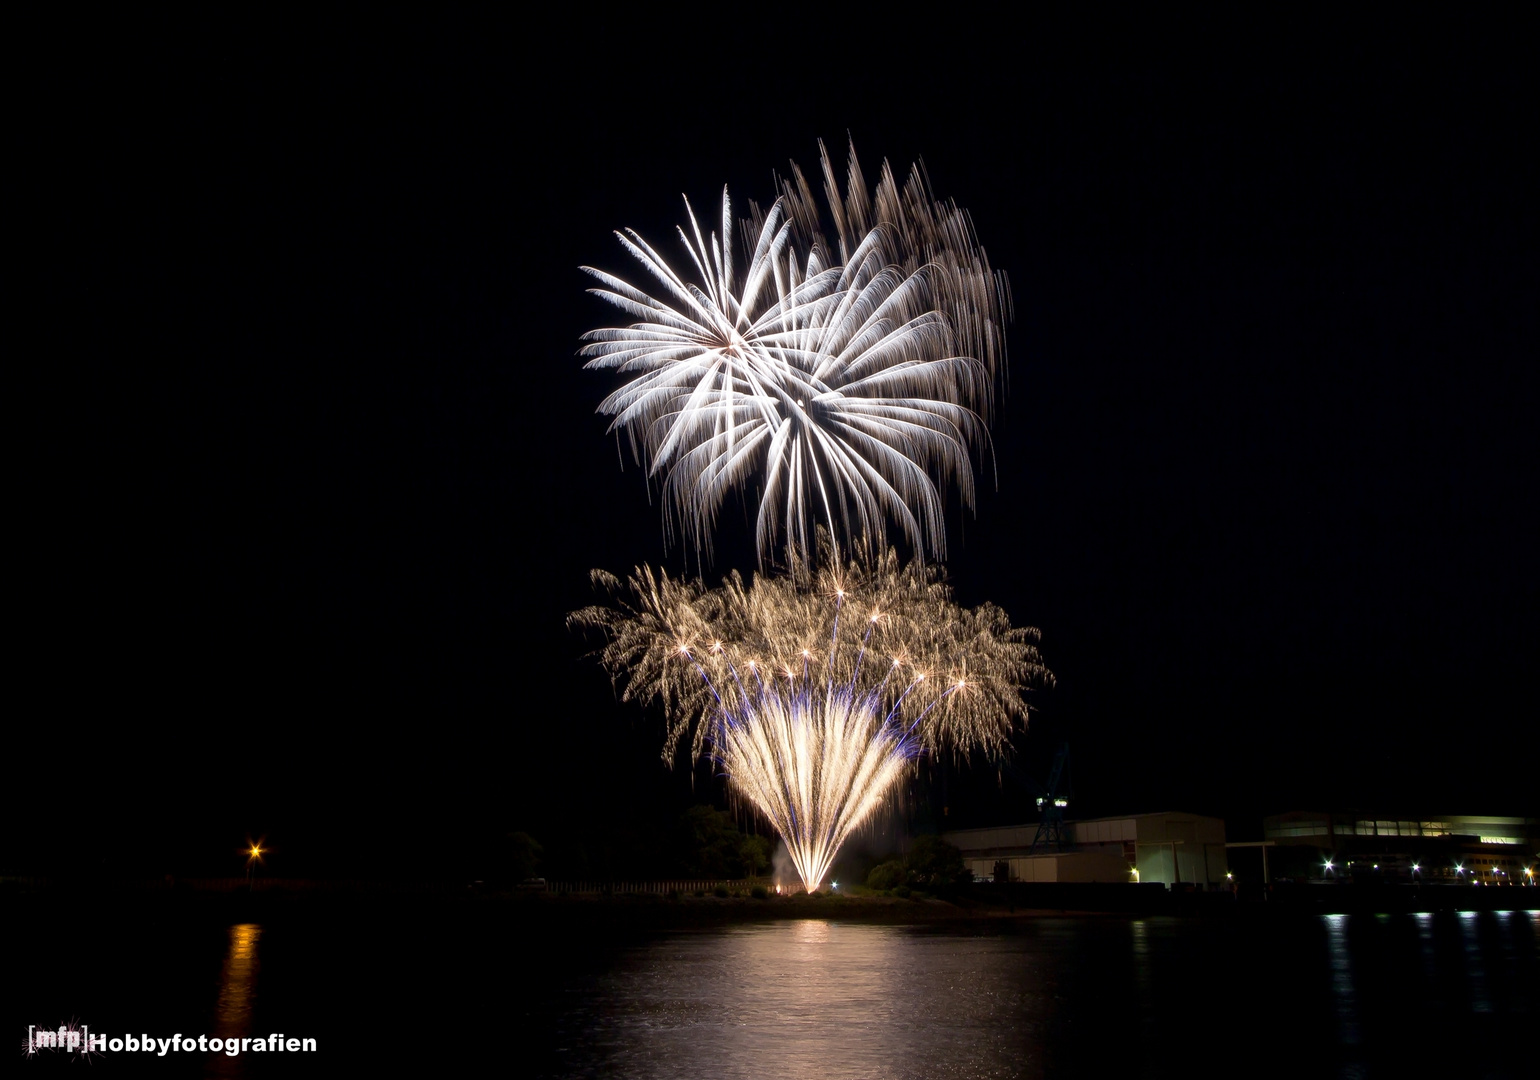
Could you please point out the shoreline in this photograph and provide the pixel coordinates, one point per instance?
(983, 905)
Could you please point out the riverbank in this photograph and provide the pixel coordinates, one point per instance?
(280, 899)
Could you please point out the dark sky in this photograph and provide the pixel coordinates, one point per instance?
(314, 473)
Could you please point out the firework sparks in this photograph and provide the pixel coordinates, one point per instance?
(813, 725)
(816, 762)
(835, 373)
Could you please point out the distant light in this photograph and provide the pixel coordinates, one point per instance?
(834, 884)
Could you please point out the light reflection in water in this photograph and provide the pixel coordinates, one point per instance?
(1044, 997)
(1343, 994)
(1480, 1001)
(1425, 946)
(237, 995)
(819, 999)
(1144, 978)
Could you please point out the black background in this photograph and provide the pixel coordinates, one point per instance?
(309, 472)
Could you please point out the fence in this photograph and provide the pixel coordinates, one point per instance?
(655, 888)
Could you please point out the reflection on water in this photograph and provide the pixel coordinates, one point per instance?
(1479, 999)
(1343, 995)
(489, 992)
(818, 999)
(1340, 995)
(1425, 943)
(237, 994)
(1144, 980)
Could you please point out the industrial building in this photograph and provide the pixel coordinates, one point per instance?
(1312, 845)
(1173, 848)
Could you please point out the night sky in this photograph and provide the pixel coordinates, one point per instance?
(310, 470)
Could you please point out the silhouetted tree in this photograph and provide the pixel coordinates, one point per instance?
(711, 845)
(525, 853)
(754, 853)
(934, 864)
(886, 875)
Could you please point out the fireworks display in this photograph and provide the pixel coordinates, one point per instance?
(842, 374)
(812, 691)
(838, 374)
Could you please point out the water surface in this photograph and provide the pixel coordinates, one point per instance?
(1334, 996)
(481, 989)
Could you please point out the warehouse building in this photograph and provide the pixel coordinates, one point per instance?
(1317, 846)
(1176, 849)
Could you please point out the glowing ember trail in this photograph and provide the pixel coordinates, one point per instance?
(812, 727)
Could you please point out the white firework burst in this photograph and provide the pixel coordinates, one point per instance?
(840, 379)
(813, 692)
